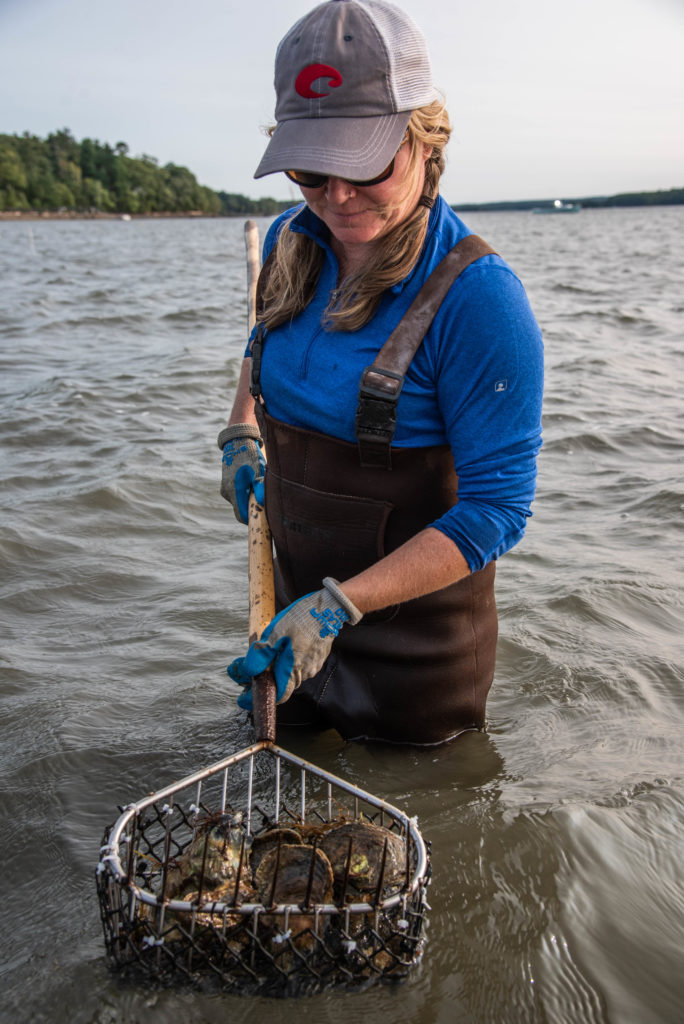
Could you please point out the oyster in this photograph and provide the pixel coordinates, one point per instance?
(269, 840)
(364, 856)
(206, 920)
(216, 858)
(294, 873)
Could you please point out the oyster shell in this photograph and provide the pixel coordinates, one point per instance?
(179, 924)
(291, 872)
(267, 841)
(356, 851)
(217, 854)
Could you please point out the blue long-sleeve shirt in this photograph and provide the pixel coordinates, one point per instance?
(474, 383)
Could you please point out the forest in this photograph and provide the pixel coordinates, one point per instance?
(60, 173)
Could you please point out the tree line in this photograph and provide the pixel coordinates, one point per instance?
(60, 173)
(664, 197)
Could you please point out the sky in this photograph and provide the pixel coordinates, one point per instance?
(547, 99)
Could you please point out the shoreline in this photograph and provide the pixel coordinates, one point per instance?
(22, 215)
(8, 216)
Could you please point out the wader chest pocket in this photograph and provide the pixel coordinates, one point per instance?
(314, 528)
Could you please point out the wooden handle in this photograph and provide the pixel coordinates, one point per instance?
(261, 585)
(264, 706)
(261, 611)
(253, 266)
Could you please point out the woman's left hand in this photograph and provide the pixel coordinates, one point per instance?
(296, 642)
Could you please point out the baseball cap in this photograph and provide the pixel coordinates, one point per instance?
(347, 77)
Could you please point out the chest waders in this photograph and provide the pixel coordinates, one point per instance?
(418, 672)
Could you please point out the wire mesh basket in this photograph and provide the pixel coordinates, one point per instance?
(263, 873)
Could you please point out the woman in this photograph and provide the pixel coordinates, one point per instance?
(400, 470)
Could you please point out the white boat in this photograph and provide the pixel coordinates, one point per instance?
(558, 206)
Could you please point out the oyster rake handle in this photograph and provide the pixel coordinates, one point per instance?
(260, 563)
(261, 611)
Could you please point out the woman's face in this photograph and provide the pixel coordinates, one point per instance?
(362, 215)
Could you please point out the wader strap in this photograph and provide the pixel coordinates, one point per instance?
(255, 372)
(382, 381)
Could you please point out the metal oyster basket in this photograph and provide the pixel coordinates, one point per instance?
(261, 946)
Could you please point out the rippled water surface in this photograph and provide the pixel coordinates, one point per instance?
(556, 837)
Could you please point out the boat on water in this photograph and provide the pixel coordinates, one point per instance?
(558, 206)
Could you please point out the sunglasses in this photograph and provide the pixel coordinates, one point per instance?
(307, 179)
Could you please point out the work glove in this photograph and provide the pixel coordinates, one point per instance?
(296, 642)
(242, 468)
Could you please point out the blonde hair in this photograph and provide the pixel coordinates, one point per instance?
(298, 260)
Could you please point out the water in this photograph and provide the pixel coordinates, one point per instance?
(556, 837)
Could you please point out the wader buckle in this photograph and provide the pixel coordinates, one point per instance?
(376, 415)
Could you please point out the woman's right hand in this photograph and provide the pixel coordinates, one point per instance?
(242, 467)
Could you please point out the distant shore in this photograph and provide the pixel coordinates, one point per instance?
(10, 215)
(672, 197)
(664, 197)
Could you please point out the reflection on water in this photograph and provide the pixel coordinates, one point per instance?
(556, 893)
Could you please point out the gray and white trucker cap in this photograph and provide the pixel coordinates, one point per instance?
(347, 77)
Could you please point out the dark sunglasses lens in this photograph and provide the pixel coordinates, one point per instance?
(387, 173)
(306, 179)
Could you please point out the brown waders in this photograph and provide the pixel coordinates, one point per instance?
(418, 672)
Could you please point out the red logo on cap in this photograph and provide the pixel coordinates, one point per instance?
(308, 75)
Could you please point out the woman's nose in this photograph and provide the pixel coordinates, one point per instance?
(338, 190)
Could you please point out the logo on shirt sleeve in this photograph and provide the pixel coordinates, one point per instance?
(501, 385)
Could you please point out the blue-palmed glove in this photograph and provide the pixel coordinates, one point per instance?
(296, 642)
(242, 467)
